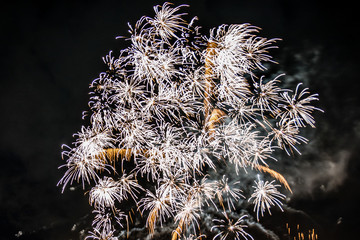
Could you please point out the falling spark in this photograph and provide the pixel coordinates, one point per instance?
(300, 234)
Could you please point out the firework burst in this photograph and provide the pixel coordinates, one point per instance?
(265, 196)
(228, 229)
(173, 112)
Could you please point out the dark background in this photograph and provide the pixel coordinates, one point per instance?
(51, 51)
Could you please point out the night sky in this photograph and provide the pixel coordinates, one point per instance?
(52, 50)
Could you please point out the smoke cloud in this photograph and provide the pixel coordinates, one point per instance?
(325, 174)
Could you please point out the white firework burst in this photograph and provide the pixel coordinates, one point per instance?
(173, 185)
(228, 192)
(82, 166)
(158, 206)
(228, 229)
(167, 21)
(267, 95)
(188, 215)
(108, 221)
(298, 107)
(105, 193)
(101, 235)
(129, 186)
(287, 135)
(203, 191)
(265, 195)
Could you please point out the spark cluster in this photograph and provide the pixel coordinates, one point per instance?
(178, 106)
